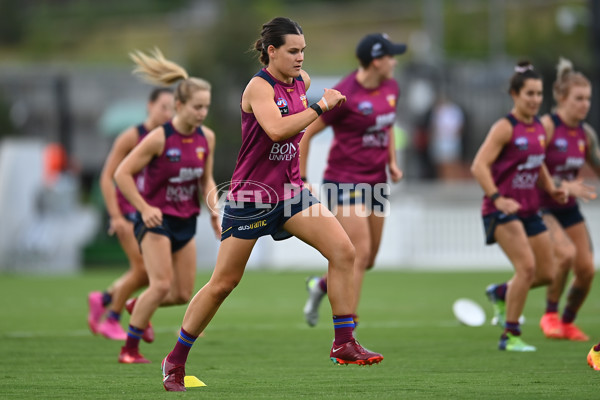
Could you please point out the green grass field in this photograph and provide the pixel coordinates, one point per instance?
(258, 346)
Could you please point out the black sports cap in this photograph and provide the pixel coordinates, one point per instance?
(376, 45)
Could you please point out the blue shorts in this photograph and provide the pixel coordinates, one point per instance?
(247, 221)
(179, 230)
(566, 217)
(131, 217)
(533, 224)
(374, 197)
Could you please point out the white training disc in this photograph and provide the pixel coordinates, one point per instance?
(468, 312)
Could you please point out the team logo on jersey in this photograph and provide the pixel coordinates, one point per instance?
(283, 106)
(304, 102)
(542, 140)
(391, 99)
(561, 144)
(581, 145)
(173, 154)
(365, 108)
(522, 143)
(200, 152)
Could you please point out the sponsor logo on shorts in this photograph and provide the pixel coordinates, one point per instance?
(254, 225)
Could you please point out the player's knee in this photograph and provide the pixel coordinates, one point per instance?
(371, 261)
(565, 256)
(545, 278)
(162, 287)
(345, 254)
(340, 255)
(527, 272)
(140, 277)
(223, 288)
(546, 274)
(182, 296)
(364, 260)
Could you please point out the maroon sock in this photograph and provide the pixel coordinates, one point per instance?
(106, 298)
(133, 337)
(500, 291)
(513, 327)
(575, 299)
(551, 306)
(323, 284)
(568, 316)
(182, 348)
(343, 325)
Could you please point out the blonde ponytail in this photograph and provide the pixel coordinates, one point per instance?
(156, 69)
(564, 67)
(566, 76)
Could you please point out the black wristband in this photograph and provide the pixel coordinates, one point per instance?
(493, 197)
(317, 108)
(303, 178)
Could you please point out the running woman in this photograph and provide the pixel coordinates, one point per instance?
(363, 149)
(267, 198)
(509, 166)
(122, 215)
(571, 142)
(178, 162)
